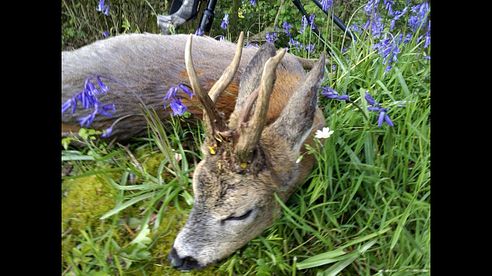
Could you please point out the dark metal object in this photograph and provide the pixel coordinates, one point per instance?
(208, 16)
(185, 10)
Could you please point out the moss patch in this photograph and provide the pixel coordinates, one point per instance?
(84, 201)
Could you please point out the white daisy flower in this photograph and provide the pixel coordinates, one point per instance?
(324, 133)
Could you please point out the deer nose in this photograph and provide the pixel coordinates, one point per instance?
(185, 264)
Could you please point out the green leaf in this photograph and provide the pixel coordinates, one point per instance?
(322, 259)
(127, 204)
(336, 268)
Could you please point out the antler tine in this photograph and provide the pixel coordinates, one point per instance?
(229, 72)
(250, 136)
(211, 116)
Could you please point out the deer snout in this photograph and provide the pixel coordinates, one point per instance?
(182, 263)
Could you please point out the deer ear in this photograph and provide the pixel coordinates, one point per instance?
(251, 77)
(296, 120)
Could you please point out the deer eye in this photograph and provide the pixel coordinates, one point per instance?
(241, 217)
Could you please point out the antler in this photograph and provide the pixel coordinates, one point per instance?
(212, 118)
(250, 135)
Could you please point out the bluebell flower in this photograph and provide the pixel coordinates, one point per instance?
(106, 10)
(408, 38)
(104, 88)
(330, 93)
(427, 36)
(286, 26)
(311, 21)
(177, 106)
(252, 2)
(86, 121)
(271, 37)
(370, 99)
(304, 23)
(376, 107)
(383, 117)
(105, 34)
(105, 108)
(388, 5)
(375, 25)
(171, 93)
(310, 48)
(355, 28)
(326, 4)
(67, 104)
(102, 7)
(296, 44)
(199, 32)
(88, 99)
(225, 21)
(107, 132)
(371, 7)
(420, 14)
(174, 100)
(388, 49)
(397, 15)
(186, 89)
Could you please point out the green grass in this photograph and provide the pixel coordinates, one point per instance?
(365, 209)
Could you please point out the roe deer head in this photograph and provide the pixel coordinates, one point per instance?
(248, 158)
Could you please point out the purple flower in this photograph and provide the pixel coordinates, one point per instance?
(177, 106)
(330, 93)
(107, 132)
(186, 89)
(225, 21)
(397, 15)
(408, 38)
(383, 117)
(427, 36)
(355, 28)
(104, 88)
(375, 24)
(420, 13)
(371, 6)
(370, 99)
(388, 5)
(376, 107)
(86, 121)
(388, 49)
(304, 23)
(174, 100)
(326, 4)
(105, 34)
(199, 32)
(311, 21)
(101, 7)
(286, 26)
(294, 43)
(309, 48)
(171, 93)
(271, 37)
(105, 108)
(67, 104)
(252, 2)
(106, 10)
